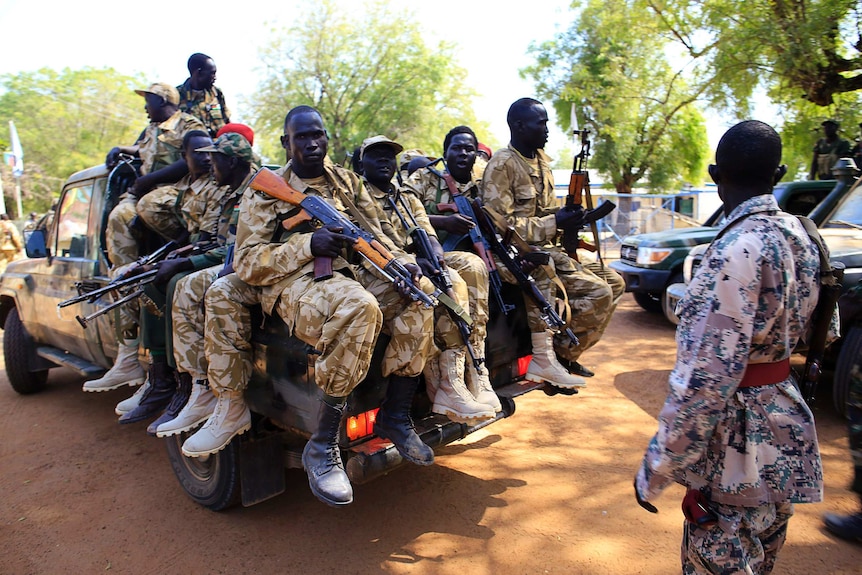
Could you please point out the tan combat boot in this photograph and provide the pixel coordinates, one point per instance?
(130, 403)
(544, 366)
(198, 408)
(126, 370)
(453, 399)
(230, 418)
(480, 386)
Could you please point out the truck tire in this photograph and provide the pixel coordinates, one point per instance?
(18, 347)
(650, 301)
(851, 347)
(212, 481)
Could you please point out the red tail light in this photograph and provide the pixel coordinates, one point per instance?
(523, 363)
(361, 425)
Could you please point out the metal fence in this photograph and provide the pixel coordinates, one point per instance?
(646, 213)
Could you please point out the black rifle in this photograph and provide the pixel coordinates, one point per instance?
(461, 205)
(440, 278)
(512, 250)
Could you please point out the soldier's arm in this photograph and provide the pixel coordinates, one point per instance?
(258, 261)
(502, 189)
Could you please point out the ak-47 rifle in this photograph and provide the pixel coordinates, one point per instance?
(314, 208)
(424, 249)
(460, 204)
(579, 188)
(512, 249)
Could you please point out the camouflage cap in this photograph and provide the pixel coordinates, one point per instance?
(165, 91)
(375, 141)
(232, 145)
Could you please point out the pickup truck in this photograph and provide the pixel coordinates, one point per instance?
(839, 220)
(67, 256)
(649, 263)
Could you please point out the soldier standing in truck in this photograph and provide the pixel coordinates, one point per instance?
(200, 97)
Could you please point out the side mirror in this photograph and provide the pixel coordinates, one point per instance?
(35, 246)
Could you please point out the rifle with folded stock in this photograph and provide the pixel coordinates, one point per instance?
(579, 188)
(441, 279)
(460, 204)
(314, 208)
(512, 249)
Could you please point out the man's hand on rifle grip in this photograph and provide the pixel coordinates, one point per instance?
(570, 218)
(328, 241)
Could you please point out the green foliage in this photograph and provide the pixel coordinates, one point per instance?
(66, 121)
(808, 48)
(611, 67)
(368, 72)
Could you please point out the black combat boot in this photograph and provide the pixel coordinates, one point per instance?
(394, 423)
(178, 401)
(321, 458)
(159, 394)
(847, 527)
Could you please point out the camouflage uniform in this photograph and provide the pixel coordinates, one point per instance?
(206, 105)
(185, 206)
(826, 154)
(159, 146)
(337, 316)
(522, 190)
(11, 243)
(228, 332)
(431, 190)
(752, 451)
(187, 308)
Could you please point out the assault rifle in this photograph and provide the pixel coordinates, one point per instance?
(512, 250)
(315, 208)
(579, 185)
(460, 204)
(424, 249)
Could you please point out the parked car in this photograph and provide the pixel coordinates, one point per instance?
(649, 263)
(840, 224)
(69, 256)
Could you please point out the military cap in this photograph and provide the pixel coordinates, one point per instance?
(482, 147)
(830, 121)
(375, 141)
(245, 131)
(165, 91)
(232, 145)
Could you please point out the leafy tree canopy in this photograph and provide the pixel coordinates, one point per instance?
(367, 71)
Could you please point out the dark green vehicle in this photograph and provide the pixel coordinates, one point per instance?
(67, 255)
(649, 263)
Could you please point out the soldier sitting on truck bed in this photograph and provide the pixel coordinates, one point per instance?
(159, 147)
(446, 381)
(231, 161)
(518, 183)
(200, 97)
(340, 316)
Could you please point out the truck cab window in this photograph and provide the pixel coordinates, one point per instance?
(72, 215)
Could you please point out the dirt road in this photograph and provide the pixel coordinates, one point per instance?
(545, 491)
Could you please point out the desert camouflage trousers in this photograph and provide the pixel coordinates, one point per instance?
(188, 321)
(340, 319)
(473, 274)
(121, 242)
(746, 541)
(158, 210)
(854, 422)
(227, 345)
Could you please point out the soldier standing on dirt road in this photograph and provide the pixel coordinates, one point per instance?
(734, 428)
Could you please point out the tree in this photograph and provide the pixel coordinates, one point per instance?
(611, 65)
(368, 72)
(67, 121)
(811, 47)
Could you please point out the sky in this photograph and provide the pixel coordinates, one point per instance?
(492, 42)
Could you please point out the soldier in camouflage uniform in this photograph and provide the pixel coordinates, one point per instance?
(159, 147)
(459, 153)
(446, 372)
(200, 97)
(827, 151)
(342, 315)
(231, 161)
(734, 428)
(519, 184)
(850, 526)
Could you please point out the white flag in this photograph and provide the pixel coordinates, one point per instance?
(17, 152)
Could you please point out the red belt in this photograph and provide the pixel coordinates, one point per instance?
(757, 374)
